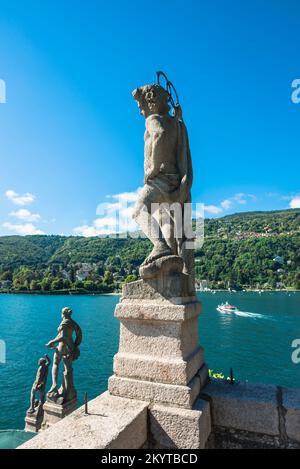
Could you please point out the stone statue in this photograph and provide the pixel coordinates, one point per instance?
(39, 384)
(163, 209)
(66, 350)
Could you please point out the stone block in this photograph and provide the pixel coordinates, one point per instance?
(147, 310)
(158, 369)
(244, 406)
(291, 404)
(173, 289)
(182, 396)
(54, 412)
(112, 423)
(171, 339)
(180, 428)
(34, 420)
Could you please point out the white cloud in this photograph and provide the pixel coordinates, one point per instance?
(18, 199)
(240, 198)
(23, 229)
(226, 204)
(25, 215)
(212, 209)
(295, 202)
(112, 217)
(127, 196)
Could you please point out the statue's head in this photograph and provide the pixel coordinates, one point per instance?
(66, 313)
(42, 362)
(152, 99)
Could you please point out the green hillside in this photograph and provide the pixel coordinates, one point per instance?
(248, 250)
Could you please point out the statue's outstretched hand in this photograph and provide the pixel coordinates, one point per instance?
(50, 344)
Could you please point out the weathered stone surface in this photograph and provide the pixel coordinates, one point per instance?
(34, 420)
(291, 403)
(163, 266)
(230, 438)
(66, 348)
(164, 339)
(156, 311)
(173, 288)
(163, 209)
(34, 415)
(182, 396)
(203, 375)
(159, 369)
(112, 423)
(244, 406)
(53, 412)
(159, 354)
(180, 428)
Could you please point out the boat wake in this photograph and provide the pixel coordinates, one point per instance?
(247, 314)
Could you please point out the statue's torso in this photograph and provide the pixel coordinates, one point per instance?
(66, 328)
(161, 142)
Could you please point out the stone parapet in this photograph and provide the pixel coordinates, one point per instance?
(112, 423)
(228, 416)
(247, 415)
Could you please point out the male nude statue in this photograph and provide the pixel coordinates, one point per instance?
(66, 350)
(167, 175)
(39, 383)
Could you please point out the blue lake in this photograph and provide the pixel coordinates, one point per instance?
(256, 342)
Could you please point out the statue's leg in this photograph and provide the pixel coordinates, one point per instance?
(68, 390)
(42, 396)
(168, 217)
(146, 214)
(32, 400)
(55, 369)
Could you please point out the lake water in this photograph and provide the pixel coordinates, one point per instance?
(256, 342)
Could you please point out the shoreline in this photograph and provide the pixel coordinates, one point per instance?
(66, 293)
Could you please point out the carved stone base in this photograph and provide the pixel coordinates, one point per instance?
(34, 420)
(159, 357)
(53, 412)
(163, 266)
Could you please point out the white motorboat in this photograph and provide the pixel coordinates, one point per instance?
(227, 308)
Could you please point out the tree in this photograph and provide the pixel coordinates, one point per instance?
(35, 285)
(57, 284)
(108, 277)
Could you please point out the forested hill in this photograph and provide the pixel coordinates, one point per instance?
(254, 249)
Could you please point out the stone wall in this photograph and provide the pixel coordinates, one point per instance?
(245, 415)
(225, 416)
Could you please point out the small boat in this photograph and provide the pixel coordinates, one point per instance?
(227, 308)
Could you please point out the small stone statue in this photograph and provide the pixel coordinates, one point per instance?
(66, 350)
(39, 384)
(167, 178)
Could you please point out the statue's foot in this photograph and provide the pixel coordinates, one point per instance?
(53, 390)
(31, 411)
(156, 253)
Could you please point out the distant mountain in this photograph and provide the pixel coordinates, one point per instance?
(239, 250)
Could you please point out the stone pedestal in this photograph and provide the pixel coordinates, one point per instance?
(34, 420)
(159, 358)
(54, 412)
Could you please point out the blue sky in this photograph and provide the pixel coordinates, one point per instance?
(71, 137)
